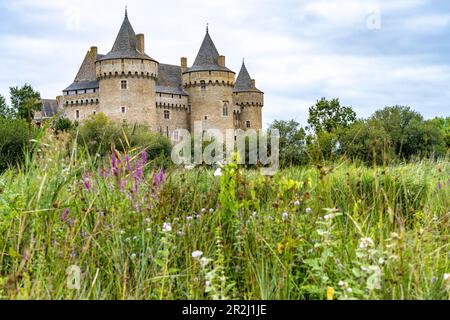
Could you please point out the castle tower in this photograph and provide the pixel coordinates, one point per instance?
(249, 101)
(209, 84)
(127, 79)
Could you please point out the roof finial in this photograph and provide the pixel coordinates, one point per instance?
(126, 11)
(207, 27)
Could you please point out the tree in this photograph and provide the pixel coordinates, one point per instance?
(15, 135)
(5, 110)
(402, 124)
(292, 142)
(329, 115)
(62, 124)
(365, 141)
(25, 101)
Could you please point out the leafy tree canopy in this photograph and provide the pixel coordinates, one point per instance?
(329, 115)
(25, 101)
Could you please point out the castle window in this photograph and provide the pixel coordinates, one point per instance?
(124, 109)
(206, 117)
(225, 109)
(77, 114)
(189, 108)
(94, 112)
(176, 135)
(166, 114)
(248, 124)
(203, 85)
(123, 84)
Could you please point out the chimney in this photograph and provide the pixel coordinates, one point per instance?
(93, 51)
(140, 43)
(183, 63)
(221, 61)
(253, 83)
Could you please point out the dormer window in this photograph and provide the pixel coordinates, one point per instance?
(123, 84)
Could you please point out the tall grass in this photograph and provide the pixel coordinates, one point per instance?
(137, 232)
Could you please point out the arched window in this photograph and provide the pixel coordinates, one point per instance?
(225, 109)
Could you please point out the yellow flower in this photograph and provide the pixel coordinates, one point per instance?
(330, 293)
(280, 248)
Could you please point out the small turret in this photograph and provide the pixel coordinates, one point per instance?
(250, 101)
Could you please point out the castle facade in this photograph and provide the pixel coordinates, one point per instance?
(127, 85)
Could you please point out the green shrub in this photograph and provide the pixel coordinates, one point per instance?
(15, 136)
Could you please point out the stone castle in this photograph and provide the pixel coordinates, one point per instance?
(128, 85)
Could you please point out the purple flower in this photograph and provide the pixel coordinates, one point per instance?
(87, 183)
(114, 168)
(127, 159)
(439, 185)
(144, 157)
(65, 214)
(158, 178)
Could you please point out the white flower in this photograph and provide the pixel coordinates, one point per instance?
(208, 284)
(218, 172)
(133, 256)
(297, 203)
(328, 217)
(365, 243)
(167, 227)
(342, 283)
(203, 210)
(349, 290)
(197, 254)
(285, 216)
(447, 276)
(149, 230)
(204, 261)
(308, 210)
(211, 210)
(189, 218)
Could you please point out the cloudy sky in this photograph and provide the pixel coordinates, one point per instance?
(369, 53)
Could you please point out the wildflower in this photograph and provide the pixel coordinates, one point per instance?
(158, 178)
(447, 276)
(189, 218)
(204, 261)
(349, 290)
(211, 210)
(308, 210)
(328, 217)
(365, 243)
(285, 216)
(127, 160)
(144, 157)
(26, 255)
(197, 254)
(342, 284)
(330, 293)
(297, 203)
(149, 230)
(208, 284)
(203, 210)
(64, 215)
(439, 186)
(87, 183)
(167, 227)
(218, 172)
(133, 256)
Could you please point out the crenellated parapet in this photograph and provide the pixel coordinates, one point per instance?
(126, 68)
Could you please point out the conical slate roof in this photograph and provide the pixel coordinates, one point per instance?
(244, 81)
(125, 45)
(207, 57)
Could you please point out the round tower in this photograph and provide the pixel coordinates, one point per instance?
(249, 101)
(209, 84)
(127, 79)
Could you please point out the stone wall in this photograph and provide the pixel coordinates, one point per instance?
(86, 104)
(136, 103)
(250, 105)
(177, 106)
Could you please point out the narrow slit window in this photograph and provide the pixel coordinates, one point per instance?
(124, 84)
